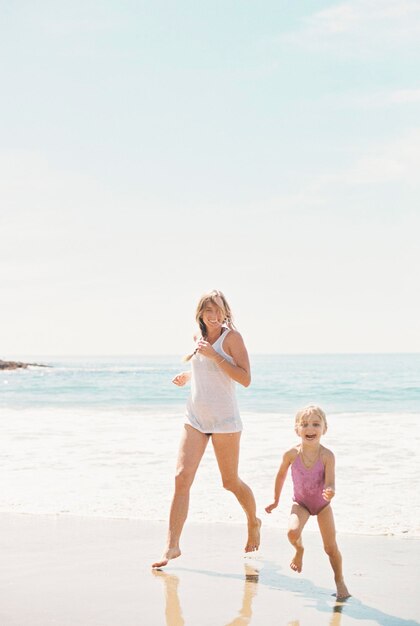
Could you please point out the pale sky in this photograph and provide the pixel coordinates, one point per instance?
(151, 151)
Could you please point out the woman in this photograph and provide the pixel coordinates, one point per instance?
(219, 360)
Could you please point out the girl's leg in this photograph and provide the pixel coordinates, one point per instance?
(191, 450)
(327, 528)
(226, 449)
(297, 520)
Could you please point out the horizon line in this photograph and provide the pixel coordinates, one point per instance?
(175, 354)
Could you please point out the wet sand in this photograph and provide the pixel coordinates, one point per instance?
(74, 571)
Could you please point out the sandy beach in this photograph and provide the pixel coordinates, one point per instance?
(67, 571)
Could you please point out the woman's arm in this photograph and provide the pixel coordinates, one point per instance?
(240, 371)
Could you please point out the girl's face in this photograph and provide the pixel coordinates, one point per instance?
(310, 428)
(212, 316)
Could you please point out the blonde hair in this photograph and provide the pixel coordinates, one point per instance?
(307, 411)
(217, 298)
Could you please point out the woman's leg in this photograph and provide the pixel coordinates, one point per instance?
(173, 611)
(327, 528)
(226, 449)
(297, 520)
(191, 450)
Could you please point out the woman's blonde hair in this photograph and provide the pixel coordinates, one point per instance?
(307, 411)
(217, 298)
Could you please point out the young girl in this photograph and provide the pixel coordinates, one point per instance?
(313, 476)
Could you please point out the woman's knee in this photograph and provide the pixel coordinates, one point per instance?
(231, 483)
(331, 549)
(183, 480)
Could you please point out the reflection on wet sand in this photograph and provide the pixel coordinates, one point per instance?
(250, 590)
(335, 617)
(173, 611)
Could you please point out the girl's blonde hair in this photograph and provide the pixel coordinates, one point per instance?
(307, 411)
(217, 298)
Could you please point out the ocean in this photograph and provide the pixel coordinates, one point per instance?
(99, 436)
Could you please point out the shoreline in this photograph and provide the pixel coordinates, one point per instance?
(96, 571)
(268, 523)
(94, 462)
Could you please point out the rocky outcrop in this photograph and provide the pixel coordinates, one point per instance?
(15, 365)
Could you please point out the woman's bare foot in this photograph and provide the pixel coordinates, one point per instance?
(296, 563)
(253, 542)
(342, 591)
(170, 553)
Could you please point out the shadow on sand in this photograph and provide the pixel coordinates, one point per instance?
(270, 576)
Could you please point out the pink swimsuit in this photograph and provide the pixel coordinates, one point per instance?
(308, 484)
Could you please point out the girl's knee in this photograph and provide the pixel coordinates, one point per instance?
(293, 535)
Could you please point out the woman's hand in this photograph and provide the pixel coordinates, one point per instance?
(206, 349)
(181, 379)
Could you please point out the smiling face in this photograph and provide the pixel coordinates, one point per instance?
(212, 312)
(212, 316)
(311, 424)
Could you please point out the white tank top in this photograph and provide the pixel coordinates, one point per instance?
(212, 406)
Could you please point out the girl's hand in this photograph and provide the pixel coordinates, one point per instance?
(206, 349)
(328, 493)
(270, 507)
(181, 379)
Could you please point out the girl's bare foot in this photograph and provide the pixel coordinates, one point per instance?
(296, 563)
(170, 553)
(253, 542)
(342, 591)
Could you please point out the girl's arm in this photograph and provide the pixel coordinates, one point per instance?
(181, 379)
(240, 371)
(280, 478)
(329, 488)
